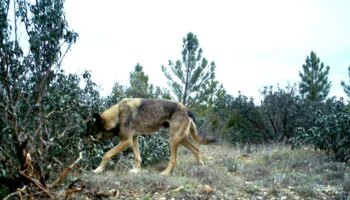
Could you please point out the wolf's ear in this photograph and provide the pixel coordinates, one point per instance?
(97, 118)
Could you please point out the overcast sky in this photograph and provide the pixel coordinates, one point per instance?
(253, 43)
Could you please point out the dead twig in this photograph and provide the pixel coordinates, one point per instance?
(66, 171)
(69, 192)
(50, 113)
(62, 134)
(18, 192)
(58, 161)
(28, 164)
(37, 183)
(75, 186)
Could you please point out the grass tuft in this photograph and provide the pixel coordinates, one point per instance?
(272, 171)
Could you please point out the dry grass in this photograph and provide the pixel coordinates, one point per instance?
(263, 172)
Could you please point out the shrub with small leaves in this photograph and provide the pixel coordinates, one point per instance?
(331, 132)
(153, 148)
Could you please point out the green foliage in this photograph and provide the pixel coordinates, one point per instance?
(155, 148)
(330, 132)
(191, 80)
(139, 86)
(68, 105)
(314, 84)
(231, 164)
(42, 110)
(281, 110)
(345, 86)
(238, 120)
(245, 121)
(117, 94)
(4, 191)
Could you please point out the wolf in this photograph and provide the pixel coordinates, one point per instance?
(132, 117)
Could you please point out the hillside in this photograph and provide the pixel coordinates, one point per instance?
(256, 172)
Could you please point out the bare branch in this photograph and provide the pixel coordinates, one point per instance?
(62, 134)
(50, 113)
(37, 183)
(66, 171)
(18, 192)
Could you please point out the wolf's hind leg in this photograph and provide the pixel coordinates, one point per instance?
(179, 129)
(195, 151)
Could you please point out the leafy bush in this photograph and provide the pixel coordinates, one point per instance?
(154, 148)
(280, 109)
(41, 108)
(238, 120)
(331, 132)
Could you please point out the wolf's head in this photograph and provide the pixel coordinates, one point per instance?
(94, 127)
(96, 131)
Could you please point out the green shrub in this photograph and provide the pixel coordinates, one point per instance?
(331, 132)
(231, 164)
(307, 192)
(280, 109)
(4, 191)
(346, 183)
(153, 148)
(238, 120)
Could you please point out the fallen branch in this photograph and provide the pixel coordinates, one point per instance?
(69, 192)
(37, 183)
(74, 187)
(18, 192)
(66, 171)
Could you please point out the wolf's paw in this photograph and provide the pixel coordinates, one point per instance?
(135, 171)
(98, 170)
(166, 173)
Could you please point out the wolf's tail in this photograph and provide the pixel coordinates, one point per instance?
(199, 138)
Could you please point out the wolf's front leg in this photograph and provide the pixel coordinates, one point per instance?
(99, 169)
(135, 148)
(117, 149)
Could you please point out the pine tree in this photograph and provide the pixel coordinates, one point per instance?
(314, 85)
(346, 87)
(192, 80)
(140, 88)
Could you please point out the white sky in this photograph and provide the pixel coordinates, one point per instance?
(253, 43)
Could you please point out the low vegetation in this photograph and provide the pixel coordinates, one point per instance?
(247, 172)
